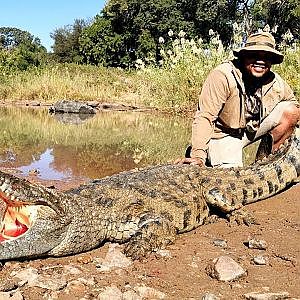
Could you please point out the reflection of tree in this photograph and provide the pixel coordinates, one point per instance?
(22, 156)
(108, 143)
(91, 161)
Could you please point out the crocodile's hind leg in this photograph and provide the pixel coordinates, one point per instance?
(230, 205)
(153, 235)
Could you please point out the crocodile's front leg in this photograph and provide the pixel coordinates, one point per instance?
(154, 233)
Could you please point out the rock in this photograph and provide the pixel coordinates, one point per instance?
(33, 279)
(54, 282)
(115, 107)
(209, 296)
(8, 284)
(25, 276)
(257, 244)
(164, 253)
(4, 295)
(266, 296)
(72, 106)
(11, 296)
(131, 295)
(259, 260)
(224, 268)
(75, 287)
(220, 243)
(149, 293)
(111, 293)
(113, 259)
(68, 269)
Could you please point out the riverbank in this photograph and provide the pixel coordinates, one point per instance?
(172, 87)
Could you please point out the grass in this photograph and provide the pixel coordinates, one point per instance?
(174, 85)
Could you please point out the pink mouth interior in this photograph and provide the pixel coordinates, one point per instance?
(15, 219)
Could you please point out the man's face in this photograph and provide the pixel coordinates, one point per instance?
(257, 63)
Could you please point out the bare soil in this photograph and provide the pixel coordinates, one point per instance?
(183, 275)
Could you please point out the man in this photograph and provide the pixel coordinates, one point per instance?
(242, 101)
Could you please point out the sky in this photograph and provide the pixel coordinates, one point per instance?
(41, 17)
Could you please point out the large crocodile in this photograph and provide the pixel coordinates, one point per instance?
(145, 208)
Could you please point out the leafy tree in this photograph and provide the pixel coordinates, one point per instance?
(20, 49)
(66, 41)
(130, 29)
(284, 15)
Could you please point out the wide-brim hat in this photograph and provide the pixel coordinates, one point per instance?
(261, 41)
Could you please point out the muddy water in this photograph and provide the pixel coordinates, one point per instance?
(79, 148)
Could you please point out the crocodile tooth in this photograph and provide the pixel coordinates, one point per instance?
(9, 191)
(4, 186)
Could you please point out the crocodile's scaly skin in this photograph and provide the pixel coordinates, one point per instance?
(145, 208)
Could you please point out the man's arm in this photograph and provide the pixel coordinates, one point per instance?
(214, 94)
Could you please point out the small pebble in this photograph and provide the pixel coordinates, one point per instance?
(260, 260)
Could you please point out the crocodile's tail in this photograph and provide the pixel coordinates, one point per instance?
(241, 186)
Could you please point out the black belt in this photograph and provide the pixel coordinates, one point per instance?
(235, 132)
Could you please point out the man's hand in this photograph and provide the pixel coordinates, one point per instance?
(191, 161)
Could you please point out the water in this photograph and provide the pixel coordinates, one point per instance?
(67, 148)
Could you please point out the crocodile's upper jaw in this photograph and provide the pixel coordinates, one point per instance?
(30, 222)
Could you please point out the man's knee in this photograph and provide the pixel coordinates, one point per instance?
(290, 115)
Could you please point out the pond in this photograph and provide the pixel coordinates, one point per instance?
(77, 148)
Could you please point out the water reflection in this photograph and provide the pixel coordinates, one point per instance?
(31, 139)
(44, 168)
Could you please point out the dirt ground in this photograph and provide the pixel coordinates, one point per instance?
(181, 274)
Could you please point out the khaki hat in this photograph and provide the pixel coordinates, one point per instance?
(261, 41)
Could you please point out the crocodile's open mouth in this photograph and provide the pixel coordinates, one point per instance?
(15, 217)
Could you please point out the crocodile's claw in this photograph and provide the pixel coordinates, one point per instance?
(241, 216)
(151, 237)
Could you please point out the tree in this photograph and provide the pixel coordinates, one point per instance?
(129, 29)
(284, 15)
(66, 41)
(20, 49)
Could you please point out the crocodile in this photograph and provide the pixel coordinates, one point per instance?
(145, 208)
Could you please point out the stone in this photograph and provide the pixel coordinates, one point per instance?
(111, 293)
(149, 293)
(257, 244)
(259, 260)
(210, 296)
(267, 296)
(220, 243)
(113, 259)
(224, 268)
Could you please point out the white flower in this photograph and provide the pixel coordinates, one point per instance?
(192, 42)
(181, 33)
(175, 42)
(267, 28)
(169, 52)
(161, 40)
(288, 36)
(211, 32)
(235, 26)
(170, 32)
(275, 28)
(139, 61)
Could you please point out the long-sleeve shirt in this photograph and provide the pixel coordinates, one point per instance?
(223, 102)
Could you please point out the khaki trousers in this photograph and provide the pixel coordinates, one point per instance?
(227, 152)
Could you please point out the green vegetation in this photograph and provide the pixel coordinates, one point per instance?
(145, 53)
(145, 141)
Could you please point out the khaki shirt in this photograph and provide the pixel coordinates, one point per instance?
(222, 102)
